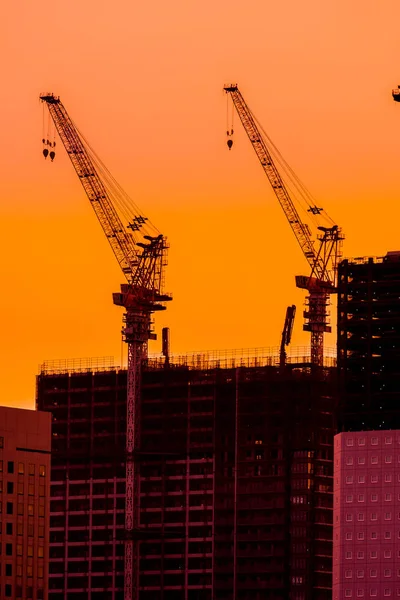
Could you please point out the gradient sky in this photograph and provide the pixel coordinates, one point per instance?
(144, 83)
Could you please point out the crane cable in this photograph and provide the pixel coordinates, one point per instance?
(303, 195)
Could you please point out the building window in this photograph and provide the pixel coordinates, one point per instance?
(350, 442)
(361, 441)
(374, 478)
(361, 460)
(20, 488)
(374, 535)
(387, 554)
(387, 592)
(349, 479)
(8, 590)
(388, 459)
(349, 554)
(360, 593)
(347, 594)
(388, 477)
(30, 550)
(349, 517)
(41, 511)
(349, 536)
(361, 516)
(374, 498)
(388, 516)
(387, 572)
(10, 508)
(29, 568)
(360, 554)
(41, 491)
(31, 511)
(373, 592)
(374, 460)
(1, 441)
(360, 574)
(20, 529)
(348, 573)
(31, 489)
(361, 479)
(374, 441)
(31, 530)
(10, 487)
(374, 517)
(361, 497)
(20, 508)
(388, 497)
(40, 551)
(1, 466)
(374, 554)
(349, 460)
(41, 531)
(9, 528)
(42, 471)
(349, 498)
(388, 535)
(8, 549)
(40, 572)
(373, 573)
(31, 469)
(8, 570)
(388, 440)
(21, 468)
(360, 535)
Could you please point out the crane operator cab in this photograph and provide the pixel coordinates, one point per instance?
(396, 94)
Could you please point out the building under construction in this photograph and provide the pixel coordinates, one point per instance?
(369, 343)
(235, 471)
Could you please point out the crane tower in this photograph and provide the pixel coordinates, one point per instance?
(321, 254)
(141, 254)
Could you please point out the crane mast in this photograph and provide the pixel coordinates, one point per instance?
(322, 259)
(286, 335)
(141, 254)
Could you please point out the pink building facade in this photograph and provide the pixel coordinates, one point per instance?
(366, 518)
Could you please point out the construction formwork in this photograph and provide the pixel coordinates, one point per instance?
(235, 469)
(369, 343)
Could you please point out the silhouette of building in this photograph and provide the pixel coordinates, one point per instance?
(369, 343)
(366, 518)
(25, 440)
(235, 480)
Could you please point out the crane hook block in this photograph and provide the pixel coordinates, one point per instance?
(52, 155)
(230, 144)
(45, 152)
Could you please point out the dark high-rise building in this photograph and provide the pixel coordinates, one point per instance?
(235, 492)
(369, 343)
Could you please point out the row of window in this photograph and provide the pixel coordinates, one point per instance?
(374, 516)
(373, 535)
(372, 573)
(8, 592)
(9, 550)
(20, 488)
(374, 460)
(387, 592)
(19, 571)
(373, 554)
(374, 478)
(374, 441)
(21, 468)
(20, 529)
(20, 509)
(374, 498)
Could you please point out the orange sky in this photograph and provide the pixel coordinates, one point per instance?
(144, 83)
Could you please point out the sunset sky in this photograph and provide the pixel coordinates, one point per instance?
(144, 83)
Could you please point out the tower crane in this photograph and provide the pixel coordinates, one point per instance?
(141, 254)
(322, 253)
